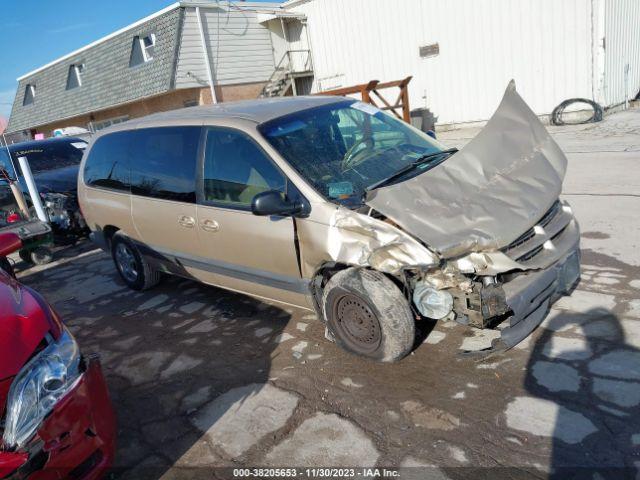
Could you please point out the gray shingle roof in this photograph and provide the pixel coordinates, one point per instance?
(107, 79)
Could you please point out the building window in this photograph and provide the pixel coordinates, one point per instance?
(95, 126)
(73, 78)
(142, 49)
(148, 44)
(29, 94)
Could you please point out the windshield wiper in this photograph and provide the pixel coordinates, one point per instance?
(412, 166)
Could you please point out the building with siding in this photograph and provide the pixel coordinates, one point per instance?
(168, 60)
(462, 53)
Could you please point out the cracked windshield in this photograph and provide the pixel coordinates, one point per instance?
(346, 148)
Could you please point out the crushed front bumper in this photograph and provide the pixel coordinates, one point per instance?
(77, 440)
(529, 296)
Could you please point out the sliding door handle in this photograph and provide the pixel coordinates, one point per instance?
(187, 221)
(209, 226)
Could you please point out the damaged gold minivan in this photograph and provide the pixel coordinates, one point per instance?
(327, 203)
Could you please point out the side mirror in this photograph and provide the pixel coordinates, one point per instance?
(9, 243)
(431, 133)
(272, 202)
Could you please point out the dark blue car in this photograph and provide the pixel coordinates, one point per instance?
(54, 163)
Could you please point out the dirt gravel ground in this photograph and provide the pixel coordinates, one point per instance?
(203, 378)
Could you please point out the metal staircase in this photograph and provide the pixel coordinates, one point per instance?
(278, 85)
(293, 64)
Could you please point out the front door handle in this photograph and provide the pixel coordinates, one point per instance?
(210, 225)
(187, 221)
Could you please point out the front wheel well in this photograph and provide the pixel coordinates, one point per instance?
(367, 314)
(319, 280)
(329, 269)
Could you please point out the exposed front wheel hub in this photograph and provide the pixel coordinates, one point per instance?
(359, 324)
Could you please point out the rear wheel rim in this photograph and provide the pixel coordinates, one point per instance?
(357, 324)
(126, 262)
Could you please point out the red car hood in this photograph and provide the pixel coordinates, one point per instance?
(25, 319)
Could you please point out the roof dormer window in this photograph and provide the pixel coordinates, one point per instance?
(142, 49)
(29, 94)
(74, 79)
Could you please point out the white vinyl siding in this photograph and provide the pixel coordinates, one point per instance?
(554, 49)
(545, 45)
(240, 48)
(622, 51)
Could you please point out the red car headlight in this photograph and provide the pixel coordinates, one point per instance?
(39, 385)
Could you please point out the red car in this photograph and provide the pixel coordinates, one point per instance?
(56, 419)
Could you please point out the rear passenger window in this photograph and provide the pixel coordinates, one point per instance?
(107, 165)
(163, 163)
(236, 169)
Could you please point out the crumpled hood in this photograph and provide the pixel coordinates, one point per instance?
(487, 194)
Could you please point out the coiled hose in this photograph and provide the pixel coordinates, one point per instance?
(556, 115)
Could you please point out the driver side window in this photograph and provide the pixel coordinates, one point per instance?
(236, 169)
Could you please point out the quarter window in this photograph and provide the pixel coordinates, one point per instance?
(163, 163)
(107, 165)
(236, 169)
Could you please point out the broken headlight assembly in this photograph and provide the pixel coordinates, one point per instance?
(431, 302)
(41, 383)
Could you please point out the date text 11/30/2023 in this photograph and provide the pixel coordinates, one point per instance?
(316, 473)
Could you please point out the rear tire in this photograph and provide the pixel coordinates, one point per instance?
(368, 315)
(134, 270)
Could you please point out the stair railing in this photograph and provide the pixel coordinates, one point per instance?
(286, 66)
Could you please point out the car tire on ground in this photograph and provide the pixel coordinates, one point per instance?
(134, 270)
(41, 256)
(368, 315)
(25, 255)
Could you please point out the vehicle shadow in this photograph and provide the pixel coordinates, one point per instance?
(184, 363)
(588, 377)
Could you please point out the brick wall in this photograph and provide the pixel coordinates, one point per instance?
(231, 93)
(168, 101)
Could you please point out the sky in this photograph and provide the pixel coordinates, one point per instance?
(35, 32)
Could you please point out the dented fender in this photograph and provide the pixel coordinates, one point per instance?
(487, 194)
(355, 239)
